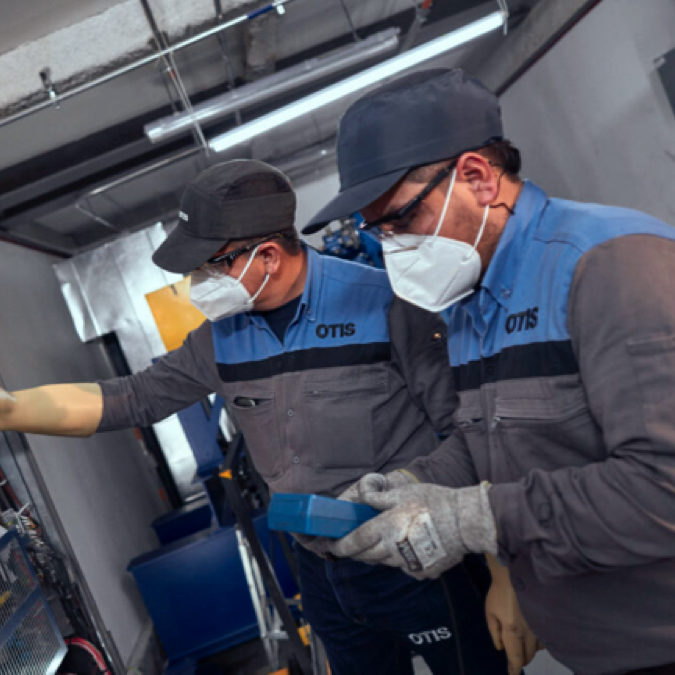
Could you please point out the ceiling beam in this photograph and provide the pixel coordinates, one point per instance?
(42, 238)
(69, 197)
(26, 216)
(547, 23)
(84, 171)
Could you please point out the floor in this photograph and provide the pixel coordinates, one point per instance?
(249, 659)
(543, 664)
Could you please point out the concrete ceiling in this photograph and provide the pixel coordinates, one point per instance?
(24, 22)
(73, 177)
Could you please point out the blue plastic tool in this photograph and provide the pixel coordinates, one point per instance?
(316, 515)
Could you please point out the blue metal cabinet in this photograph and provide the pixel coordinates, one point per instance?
(201, 430)
(190, 519)
(197, 595)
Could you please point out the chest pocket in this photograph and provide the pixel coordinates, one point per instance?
(256, 415)
(546, 433)
(341, 414)
(470, 420)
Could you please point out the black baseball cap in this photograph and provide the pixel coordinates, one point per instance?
(240, 199)
(420, 118)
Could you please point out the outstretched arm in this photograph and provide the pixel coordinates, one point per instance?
(176, 381)
(57, 410)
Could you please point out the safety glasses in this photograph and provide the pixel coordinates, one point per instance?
(401, 219)
(223, 262)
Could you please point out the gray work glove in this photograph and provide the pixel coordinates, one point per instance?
(372, 482)
(424, 529)
(377, 482)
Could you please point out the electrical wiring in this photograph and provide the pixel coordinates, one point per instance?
(4, 502)
(8, 492)
(93, 652)
(51, 568)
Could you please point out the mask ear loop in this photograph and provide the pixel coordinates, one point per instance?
(445, 206)
(480, 232)
(260, 290)
(248, 264)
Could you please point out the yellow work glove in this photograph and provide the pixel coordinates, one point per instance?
(507, 625)
(7, 406)
(57, 409)
(7, 401)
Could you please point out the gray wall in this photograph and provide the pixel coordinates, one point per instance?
(103, 488)
(313, 194)
(592, 118)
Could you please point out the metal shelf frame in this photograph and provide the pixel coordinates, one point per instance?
(30, 640)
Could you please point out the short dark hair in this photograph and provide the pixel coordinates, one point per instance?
(290, 241)
(505, 155)
(500, 153)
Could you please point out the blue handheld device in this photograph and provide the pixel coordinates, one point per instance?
(316, 515)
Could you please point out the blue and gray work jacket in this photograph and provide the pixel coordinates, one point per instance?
(564, 362)
(361, 382)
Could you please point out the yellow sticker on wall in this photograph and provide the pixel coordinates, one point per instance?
(174, 314)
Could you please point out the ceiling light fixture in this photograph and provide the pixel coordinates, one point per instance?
(359, 81)
(307, 72)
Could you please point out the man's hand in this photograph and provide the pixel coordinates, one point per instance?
(507, 625)
(372, 482)
(424, 530)
(377, 482)
(318, 545)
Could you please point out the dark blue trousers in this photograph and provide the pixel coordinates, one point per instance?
(371, 618)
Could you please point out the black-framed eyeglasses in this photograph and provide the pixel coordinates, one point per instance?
(227, 259)
(402, 216)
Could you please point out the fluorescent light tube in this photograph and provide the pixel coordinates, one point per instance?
(359, 81)
(282, 82)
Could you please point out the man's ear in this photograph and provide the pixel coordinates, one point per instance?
(271, 255)
(474, 169)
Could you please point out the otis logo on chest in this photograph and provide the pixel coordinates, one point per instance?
(526, 320)
(335, 330)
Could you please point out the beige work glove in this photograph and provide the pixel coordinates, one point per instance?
(7, 405)
(507, 625)
(6, 400)
(55, 409)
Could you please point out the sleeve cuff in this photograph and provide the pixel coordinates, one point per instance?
(504, 502)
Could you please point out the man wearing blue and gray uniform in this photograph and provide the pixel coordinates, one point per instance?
(305, 350)
(562, 345)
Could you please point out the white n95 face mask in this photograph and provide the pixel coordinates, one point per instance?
(219, 295)
(433, 272)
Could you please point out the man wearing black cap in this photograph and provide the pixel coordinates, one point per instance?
(299, 345)
(562, 345)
